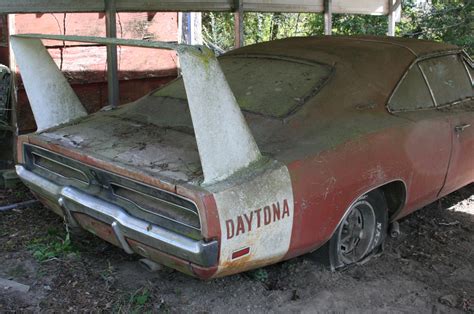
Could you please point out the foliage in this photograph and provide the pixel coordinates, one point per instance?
(447, 21)
(54, 245)
(259, 274)
(143, 300)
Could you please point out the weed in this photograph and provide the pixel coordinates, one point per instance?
(54, 245)
(140, 298)
(259, 274)
(136, 302)
(108, 276)
(20, 194)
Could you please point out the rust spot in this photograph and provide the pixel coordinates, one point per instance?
(160, 257)
(100, 229)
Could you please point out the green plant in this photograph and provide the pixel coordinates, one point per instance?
(53, 245)
(440, 20)
(259, 274)
(136, 302)
(140, 297)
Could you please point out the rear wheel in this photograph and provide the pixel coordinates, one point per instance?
(361, 232)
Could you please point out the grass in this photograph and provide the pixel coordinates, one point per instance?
(53, 245)
(142, 300)
(136, 302)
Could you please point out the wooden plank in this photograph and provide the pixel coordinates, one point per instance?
(52, 6)
(6, 285)
(174, 5)
(283, 6)
(339, 6)
(372, 7)
(112, 63)
(36, 6)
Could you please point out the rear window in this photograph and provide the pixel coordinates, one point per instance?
(268, 86)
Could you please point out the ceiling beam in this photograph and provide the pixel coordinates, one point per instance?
(377, 7)
(47, 6)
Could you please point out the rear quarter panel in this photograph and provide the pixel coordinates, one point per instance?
(326, 184)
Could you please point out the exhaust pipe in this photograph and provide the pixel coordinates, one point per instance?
(150, 265)
(394, 230)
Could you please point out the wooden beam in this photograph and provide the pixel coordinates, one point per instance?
(378, 7)
(14, 87)
(35, 6)
(112, 64)
(327, 17)
(391, 19)
(238, 24)
(190, 31)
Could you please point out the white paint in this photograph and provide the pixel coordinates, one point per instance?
(223, 137)
(268, 243)
(51, 97)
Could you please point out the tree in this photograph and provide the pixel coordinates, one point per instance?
(450, 21)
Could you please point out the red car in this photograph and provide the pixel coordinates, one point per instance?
(266, 153)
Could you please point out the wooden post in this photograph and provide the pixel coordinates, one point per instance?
(190, 28)
(327, 17)
(14, 87)
(112, 65)
(238, 24)
(391, 18)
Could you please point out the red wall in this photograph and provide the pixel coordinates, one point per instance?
(140, 69)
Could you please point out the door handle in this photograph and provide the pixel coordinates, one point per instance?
(461, 127)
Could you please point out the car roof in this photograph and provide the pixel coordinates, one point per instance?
(365, 67)
(333, 49)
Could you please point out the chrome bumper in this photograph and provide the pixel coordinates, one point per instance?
(124, 226)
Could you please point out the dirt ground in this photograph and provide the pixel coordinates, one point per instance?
(428, 268)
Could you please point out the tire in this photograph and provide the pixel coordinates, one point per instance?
(361, 232)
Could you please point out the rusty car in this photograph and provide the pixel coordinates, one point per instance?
(263, 154)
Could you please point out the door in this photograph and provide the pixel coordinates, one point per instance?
(426, 146)
(450, 80)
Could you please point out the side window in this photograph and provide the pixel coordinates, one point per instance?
(412, 93)
(447, 78)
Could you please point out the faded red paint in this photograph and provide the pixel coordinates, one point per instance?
(325, 185)
(331, 164)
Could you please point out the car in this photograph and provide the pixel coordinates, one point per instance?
(266, 153)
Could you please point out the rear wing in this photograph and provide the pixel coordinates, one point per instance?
(223, 137)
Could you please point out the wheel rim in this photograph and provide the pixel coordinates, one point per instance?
(357, 231)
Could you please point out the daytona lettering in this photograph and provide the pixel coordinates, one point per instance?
(257, 218)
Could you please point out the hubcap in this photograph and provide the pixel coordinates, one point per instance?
(356, 235)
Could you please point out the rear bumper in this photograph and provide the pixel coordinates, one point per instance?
(126, 229)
